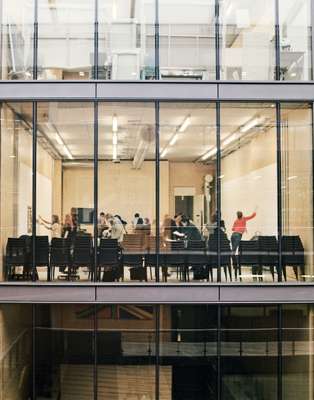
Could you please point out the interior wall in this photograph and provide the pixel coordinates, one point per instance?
(249, 181)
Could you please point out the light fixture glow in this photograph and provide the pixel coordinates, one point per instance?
(67, 152)
(114, 138)
(185, 124)
(173, 140)
(209, 154)
(59, 139)
(251, 124)
(230, 139)
(290, 178)
(114, 123)
(164, 152)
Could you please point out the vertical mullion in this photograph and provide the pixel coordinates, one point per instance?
(33, 330)
(279, 186)
(157, 351)
(311, 75)
(279, 358)
(277, 41)
(34, 188)
(94, 274)
(35, 41)
(157, 186)
(218, 190)
(219, 376)
(95, 333)
(96, 35)
(217, 39)
(157, 39)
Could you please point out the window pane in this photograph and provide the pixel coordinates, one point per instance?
(65, 39)
(126, 39)
(297, 191)
(17, 32)
(188, 352)
(297, 351)
(187, 191)
(64, 356)
(249, 188)
(126, 192)
(65, 189)
(126, 352)
(295, 39)
(249, 352)
(187, 39)
(247, 40)
(16, 190)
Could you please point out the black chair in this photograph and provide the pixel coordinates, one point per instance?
(292, 251)
(248, 256)
(133, 256)
(109, 260)
(16, 255)
(175, 257)
(197, 259)
(82, 256)
(268, 255)
(59, 255)
(41, 253)
(225, 254)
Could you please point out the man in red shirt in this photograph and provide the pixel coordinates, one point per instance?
(238, 228)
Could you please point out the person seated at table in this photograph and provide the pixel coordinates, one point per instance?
(116, 230)
(176, 227)
(101, 224)
(190, 230)
(166, 228)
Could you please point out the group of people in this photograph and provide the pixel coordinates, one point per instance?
(67, 229)
(114, 226)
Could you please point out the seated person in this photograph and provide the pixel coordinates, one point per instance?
(190, 230)
(116, 230)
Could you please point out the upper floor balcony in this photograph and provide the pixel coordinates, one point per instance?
(234, 40)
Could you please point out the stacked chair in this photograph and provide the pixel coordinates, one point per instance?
(82, 256)
(17, 256)
(174, 257)
(197, 259)
(133, 255)
(59, 256)
(225, 255)
(292, 251)
(109, 267)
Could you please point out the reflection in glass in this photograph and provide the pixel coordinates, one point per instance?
(188, 349)
(126, 195)
(65, 179)
(126, 353)
(297, 351)
(187, 191)
(295, 39)
(187, 39)
(126, 40)
(65, 39)
(64, 351)
(297, 191)
(249, 188)
(247, 40)
(17, 32)
(16, 190)
(249, 352)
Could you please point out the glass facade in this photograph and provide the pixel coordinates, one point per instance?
(173, 351)
(157, 191)
(149, 39)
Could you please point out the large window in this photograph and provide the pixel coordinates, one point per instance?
(169, 352)
(235, 209)
(157, 39)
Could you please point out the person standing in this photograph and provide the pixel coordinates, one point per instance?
(238, 229)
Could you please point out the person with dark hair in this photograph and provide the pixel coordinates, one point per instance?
(135, 220)
(176, 227)
(190, 230)
(123, 222)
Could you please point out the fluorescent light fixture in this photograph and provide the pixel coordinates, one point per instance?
(164, 152)
(230, 139)
(173, 140)
(59, 139)
(290, 178)
(114, 152)
(114, 123)
(114, 10)
(49, 126)
(185, 124)
(251, 124)
(67, 152)
(114, 138)
(209, 154)
(81, 73)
